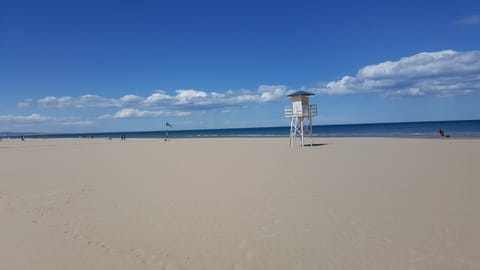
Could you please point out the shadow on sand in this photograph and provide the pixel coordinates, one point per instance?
(315, 144)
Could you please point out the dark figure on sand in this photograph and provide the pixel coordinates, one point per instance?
(442, 134)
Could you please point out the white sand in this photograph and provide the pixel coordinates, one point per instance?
(354, 203)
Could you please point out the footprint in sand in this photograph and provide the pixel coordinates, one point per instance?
(237, 267)
(138, 254)
(249, 256)
(169, 267)
(242, 245)
(155, 261)
(265, 231)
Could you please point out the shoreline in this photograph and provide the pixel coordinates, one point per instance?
(243, 137)
(429, 129)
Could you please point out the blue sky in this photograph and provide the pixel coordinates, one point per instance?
(74, 66)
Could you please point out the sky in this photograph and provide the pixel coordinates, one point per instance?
(95, 66)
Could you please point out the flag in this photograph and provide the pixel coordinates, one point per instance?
(167, 124)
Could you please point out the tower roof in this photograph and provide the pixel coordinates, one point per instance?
(300, 93)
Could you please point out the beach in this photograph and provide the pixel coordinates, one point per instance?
(240, 203)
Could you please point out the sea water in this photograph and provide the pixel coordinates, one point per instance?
(467, 128)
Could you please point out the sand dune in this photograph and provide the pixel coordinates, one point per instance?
(346, 203)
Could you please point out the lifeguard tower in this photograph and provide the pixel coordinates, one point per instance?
(298, 112)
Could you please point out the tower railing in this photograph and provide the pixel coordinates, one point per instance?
(310, 112)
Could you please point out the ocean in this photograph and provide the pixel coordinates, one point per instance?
(455, 129)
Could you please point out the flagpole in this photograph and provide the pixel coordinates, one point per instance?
(167, 125)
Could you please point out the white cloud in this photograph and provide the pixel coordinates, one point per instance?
(47, 101)
(196, 98)
(127, 99)
(85, 101)
(217, 95)
(272, 92)
(157, 98)
(136, 113)
(442, 73)
(468, 21)
(25, 103)
(413, 92)
(180, 113)
(34, 117)
(77, 123)
(340, 87)
(128, 113)
(242, 99)
(190, 96)
(183, 99)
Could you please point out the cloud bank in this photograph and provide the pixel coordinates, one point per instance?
(136, 113)
(36, 118)
(85, 101)
(182, 98)
(179, 104)
(442, 73)
(437, 74)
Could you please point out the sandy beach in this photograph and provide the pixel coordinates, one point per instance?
(344, 203)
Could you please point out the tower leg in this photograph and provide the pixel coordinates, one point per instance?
(301, 131)
(310, 130)
(291, 133)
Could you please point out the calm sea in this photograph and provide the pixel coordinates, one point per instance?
(468, 128)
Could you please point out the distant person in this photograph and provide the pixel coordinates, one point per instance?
(23, 139)
(442, 134)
